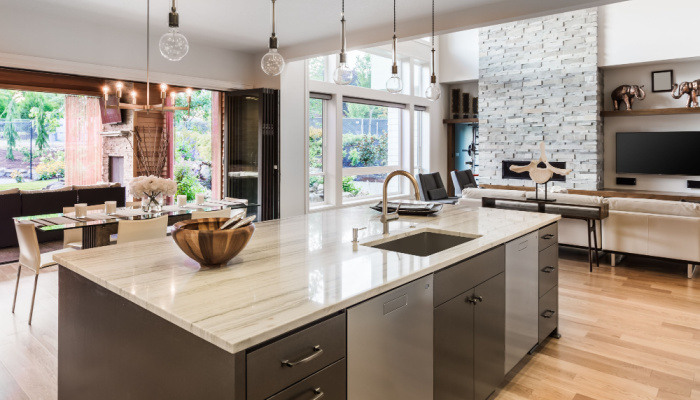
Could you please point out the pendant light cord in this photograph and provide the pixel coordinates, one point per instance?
(432, 51)
(273, 17)
(394, 17)
(148, 52)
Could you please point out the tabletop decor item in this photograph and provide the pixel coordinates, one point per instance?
(689, 88)
(181, 200)
(152, 190)
(627, 94)
(540, 175)
(110, 207)
(81, 210)
(203, 241)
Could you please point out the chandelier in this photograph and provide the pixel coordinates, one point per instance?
(163, 87)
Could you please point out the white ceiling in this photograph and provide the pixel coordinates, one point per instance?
(305, 27)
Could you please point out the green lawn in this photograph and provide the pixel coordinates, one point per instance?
(34, 185)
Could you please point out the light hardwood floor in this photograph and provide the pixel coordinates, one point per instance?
(629, 332)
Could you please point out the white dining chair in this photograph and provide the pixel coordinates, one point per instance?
(145, 229)
(30, 256)
(223, 213)
(73, 238)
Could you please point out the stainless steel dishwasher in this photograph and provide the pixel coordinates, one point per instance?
(522, 279)
(390, 344)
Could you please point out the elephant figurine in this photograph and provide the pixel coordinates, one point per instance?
(627, 94)
(689, 88)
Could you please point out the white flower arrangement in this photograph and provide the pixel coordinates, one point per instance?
(152, 187)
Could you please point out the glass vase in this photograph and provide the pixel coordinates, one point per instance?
(152, 204)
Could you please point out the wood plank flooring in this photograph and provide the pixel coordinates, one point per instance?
(629, 332)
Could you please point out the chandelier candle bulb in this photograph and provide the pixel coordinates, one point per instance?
(119, 86)
(133, 97)
(105, 90)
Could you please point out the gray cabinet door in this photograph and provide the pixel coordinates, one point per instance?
(390, 344)
(522, 276)
(489, 336)
(454, 349)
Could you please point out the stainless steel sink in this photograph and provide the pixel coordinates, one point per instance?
(422, 244)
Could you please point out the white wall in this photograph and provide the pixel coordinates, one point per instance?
(293, 111)
(640, 31)
(459, 56)
(641, 75)
(40, 41)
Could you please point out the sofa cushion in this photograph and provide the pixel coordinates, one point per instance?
(651, 206)
(95, 196)
(10, 207)
(477, 193)
(578, 199)
(9, 191)
(93, 186)
(63, 189)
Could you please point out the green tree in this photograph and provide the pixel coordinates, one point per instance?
(9, 100)
(363, 71)
(317, 68)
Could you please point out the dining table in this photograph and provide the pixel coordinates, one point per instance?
(98, 226)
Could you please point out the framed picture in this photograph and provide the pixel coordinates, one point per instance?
(662, 81)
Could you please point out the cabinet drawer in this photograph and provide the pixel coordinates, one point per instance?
(283, 362)
(548, 269)
(548, 313)
(466, 274)
(549, 235)
(328, 384)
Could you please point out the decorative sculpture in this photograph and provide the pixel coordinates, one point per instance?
(627, 94)
(540, 175)
(689, 88)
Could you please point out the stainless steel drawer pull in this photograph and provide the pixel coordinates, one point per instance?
(318, 393)
(548, 313)
(317, 353)
(548, 269)
(478, 298)
(547, 236)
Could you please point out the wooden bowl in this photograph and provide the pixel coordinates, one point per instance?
(203, 241)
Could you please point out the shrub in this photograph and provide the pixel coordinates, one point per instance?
(187, 183)
(349, 186)
(17, 176)
(52, 166)
(364, 150)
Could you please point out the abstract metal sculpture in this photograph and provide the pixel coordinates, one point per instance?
(540, 175)
(627, 94)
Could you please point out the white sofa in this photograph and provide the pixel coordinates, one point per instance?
(656, 228)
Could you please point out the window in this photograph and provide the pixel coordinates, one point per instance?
(420, 148)
(317, 68)
(193, 145)
(371, 147)
(371, 70)
(421, 78)
(317, 111)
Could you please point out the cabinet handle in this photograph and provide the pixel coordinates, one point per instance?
(317, 353)
(548, 269)
(479, 298)
(318, 392)
(470, 300)
(548, 313)
(547, 236)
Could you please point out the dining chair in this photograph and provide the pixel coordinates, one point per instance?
(223, 213)
(30, 256)
(433, 190)
(145, 229)
(73, 238)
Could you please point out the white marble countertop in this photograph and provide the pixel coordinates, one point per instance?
(293, 271)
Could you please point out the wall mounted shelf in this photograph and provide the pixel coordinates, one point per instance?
(653, 111)
(461, 121)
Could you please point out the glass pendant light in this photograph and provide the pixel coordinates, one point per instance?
(272, 63)
(394, 83)
(173, 45)
(433, 91)
(343, 74)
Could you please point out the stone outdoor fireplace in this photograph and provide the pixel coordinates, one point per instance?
(117, 154)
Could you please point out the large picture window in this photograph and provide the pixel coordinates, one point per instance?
(371, 147)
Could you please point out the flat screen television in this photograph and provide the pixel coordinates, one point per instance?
(660, 153)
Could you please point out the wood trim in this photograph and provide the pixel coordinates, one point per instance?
(653, 111)
(611, 193)
(17, 79)
(461, 121)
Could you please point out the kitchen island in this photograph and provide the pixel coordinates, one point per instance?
(143, 321)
